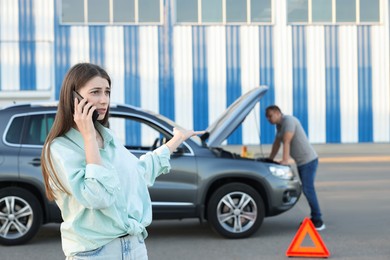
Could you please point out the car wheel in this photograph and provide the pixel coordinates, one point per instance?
(20, 216)
(235, 210)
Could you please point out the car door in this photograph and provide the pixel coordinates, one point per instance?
(173, 194)
(10, 148)
(35, 130)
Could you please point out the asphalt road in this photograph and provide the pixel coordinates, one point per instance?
(353, 189)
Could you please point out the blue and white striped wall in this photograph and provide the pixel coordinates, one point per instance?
(335, 79)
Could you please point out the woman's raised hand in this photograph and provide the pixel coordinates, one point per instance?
(179, 136)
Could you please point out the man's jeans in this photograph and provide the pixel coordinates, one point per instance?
(307, 173)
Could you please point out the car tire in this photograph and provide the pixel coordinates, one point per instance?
(20, 216)
(230, 219)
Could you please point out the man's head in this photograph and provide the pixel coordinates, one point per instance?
(273, 114)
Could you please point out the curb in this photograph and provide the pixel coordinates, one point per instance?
(354, 159)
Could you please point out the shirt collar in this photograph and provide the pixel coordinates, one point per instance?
(281, 121)
(76, 136)
(106, 134)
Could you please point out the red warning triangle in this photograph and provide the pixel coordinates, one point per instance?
(296, 248)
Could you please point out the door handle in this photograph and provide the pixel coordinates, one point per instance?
(35, 162)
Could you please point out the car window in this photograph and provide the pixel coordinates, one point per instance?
(14, 131)
(37, 128)
(137, 134)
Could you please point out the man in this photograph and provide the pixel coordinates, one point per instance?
(296, 145)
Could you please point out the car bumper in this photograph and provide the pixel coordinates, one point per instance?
(286, 195)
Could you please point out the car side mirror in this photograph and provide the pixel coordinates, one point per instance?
(179, 150)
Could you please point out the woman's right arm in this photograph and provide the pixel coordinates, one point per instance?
(92, 185)
(83, 119)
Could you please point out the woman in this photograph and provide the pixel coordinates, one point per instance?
(99, 186)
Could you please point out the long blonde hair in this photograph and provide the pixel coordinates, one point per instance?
(76, 78)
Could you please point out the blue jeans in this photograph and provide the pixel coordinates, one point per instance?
(307, 173)
(126, 248)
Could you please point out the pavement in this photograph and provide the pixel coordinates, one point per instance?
(329, 153)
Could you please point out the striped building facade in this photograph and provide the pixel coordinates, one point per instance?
(334, 78)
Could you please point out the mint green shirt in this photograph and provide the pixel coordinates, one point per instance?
(108, 201)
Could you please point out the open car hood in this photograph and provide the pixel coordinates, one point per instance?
(233, 116)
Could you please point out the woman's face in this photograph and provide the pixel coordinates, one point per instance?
(97, 91)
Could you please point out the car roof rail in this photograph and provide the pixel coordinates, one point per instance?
(32, 104)
(16, 106)
(45, 104)
(124, 106)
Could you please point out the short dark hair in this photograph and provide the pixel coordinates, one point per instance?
(273, 108)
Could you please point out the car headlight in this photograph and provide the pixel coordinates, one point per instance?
(282, 172)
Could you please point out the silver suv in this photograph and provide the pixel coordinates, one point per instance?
(232, 193)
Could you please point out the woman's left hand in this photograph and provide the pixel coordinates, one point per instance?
(179, 136)
(184, 134)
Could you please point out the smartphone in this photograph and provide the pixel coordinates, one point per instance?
(95, 114)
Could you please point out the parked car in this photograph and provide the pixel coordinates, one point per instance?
(231, 192)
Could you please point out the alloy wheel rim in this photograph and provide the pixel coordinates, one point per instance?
(237, 212)
(16, 217)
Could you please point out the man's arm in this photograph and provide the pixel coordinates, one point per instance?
(275, 148)
(287, 137)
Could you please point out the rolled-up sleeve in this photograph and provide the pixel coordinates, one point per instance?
(155, 163)
(92, 185)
